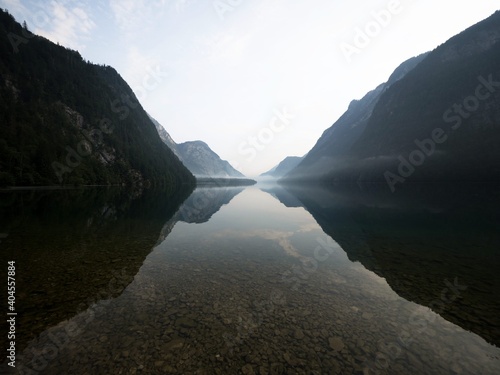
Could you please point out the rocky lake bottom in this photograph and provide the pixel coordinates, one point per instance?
(255, 286)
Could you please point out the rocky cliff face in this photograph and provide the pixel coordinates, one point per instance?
(165, 137)
(198, 157)
(202, 161)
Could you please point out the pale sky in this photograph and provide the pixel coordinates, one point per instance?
(258, 80)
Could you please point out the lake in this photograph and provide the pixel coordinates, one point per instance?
(259, 280)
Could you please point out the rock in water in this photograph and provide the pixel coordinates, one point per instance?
(299, 335)
(336, 343)
(247, 369)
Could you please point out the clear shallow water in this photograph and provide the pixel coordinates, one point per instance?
(251, 281)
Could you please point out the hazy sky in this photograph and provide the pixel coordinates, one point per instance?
(258, 80)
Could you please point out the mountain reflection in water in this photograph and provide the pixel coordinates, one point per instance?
(243, 280)
(422, 240)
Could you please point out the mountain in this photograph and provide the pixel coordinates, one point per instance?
(89, 245)
(205, 202)
(331, 152)
(437, 119)
(200, 206)
(198, 157)
(202, 161)
(285, 166)
(165, 137)
(419, 239)
(67, 121)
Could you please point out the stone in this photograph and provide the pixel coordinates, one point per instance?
(173, 344)
(367, 315)
(247, 369)
(186, 322)
(336, 343)
(277, 368)
(288, 358)
(456, 369)
(169, 369)
(299, 335)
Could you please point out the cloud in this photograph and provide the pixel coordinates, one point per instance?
(123, 11)
(15, 7)
(137, 15)
(139, 66)
(69, 24)
(180, 5)
(282, 237)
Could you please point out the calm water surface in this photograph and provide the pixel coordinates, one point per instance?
(261, 280)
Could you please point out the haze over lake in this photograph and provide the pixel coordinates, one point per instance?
(256, 188)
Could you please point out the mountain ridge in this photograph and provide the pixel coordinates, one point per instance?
(66, 121)
(283, 167)
(330, 149)
(397, 143)
(197, 156)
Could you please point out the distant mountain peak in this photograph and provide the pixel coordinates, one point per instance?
(286, 165)
(197, 156)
